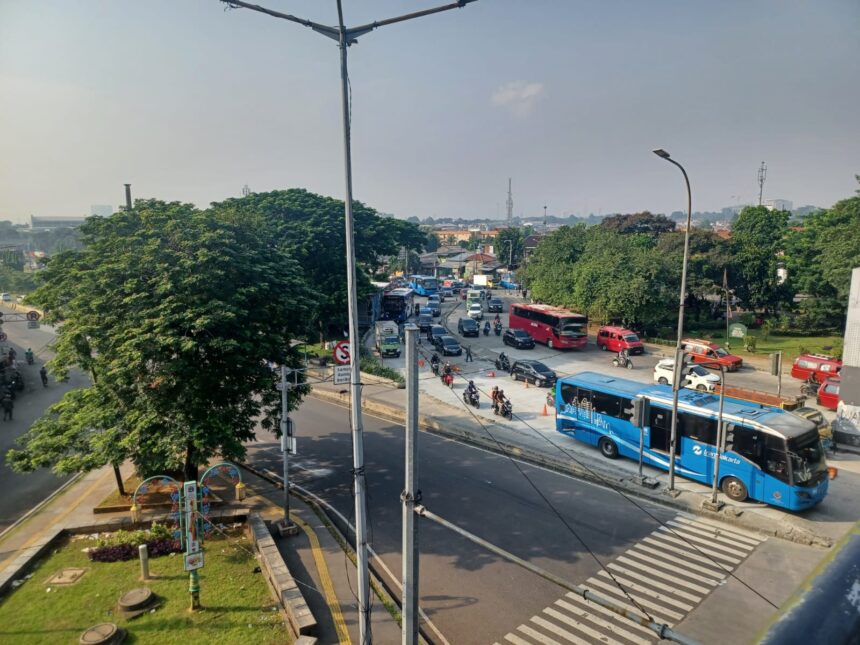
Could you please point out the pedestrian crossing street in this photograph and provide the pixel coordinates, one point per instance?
(668, 573)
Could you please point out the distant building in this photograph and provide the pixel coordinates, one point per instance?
(51, 223)
(778, 204)
(102, 210)
(530, 244)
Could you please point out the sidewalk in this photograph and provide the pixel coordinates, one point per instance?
(532, 437)
(315, 559)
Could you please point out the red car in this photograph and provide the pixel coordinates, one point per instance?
(828, 394)
(704, 351)
(614, 339)
(818, 366)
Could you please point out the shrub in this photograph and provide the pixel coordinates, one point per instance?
(750, 343)
(126, 551)
(135, 538)
(371, 365)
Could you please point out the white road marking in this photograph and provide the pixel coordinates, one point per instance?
(581, 613)
(719, 526)
(635, 575)
(640, 550)
(704, 546)
(566, 635)
(516, 640)
(662, 546)
(629, 585)
(711, 535)
(612, 588)
(662, 575)
(540, 638)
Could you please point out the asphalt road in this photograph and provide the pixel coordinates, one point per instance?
(474, 596)
(23, 491)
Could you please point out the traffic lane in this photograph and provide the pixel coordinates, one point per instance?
(482, 492)
(23, 491)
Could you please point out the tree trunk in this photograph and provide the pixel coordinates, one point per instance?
(190, 468)
(119, 485)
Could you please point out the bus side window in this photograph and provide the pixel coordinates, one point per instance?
(775, 462)
(626, 410)
(583, 397)
(698, 428)
(746, 442)
(568, 393)
(606, 403)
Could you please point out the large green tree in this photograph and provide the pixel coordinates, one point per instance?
(639, 223)
(310, 228)
(509, 246)
(757, 238)
(173, 312)
(548, 271)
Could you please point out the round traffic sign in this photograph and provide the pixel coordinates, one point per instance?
(2, 336)
(342, 353)
(33, 315)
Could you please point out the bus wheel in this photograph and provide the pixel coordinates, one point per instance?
(734, 489)
(549, 343)
(608, 448)
(663, 380)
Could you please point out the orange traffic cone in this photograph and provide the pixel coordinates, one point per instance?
(543, 414)
(420, 362)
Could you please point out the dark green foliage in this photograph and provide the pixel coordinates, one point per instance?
(757, 237)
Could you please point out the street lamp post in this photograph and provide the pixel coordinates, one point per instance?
(714, 504)
(673, 437)
(346, 36)
(510, 253)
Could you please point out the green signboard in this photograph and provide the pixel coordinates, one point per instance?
(737, 330)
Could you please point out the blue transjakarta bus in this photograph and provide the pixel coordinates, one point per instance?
(398, 304)
(423, 285)
(768, 454)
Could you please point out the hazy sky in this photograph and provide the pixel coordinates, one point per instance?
(189, 102)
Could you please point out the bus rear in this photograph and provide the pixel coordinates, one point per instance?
(554, 327)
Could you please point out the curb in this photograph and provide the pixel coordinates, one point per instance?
(686, 502)
(73, 479)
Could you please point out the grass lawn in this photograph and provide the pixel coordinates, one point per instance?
(237, 605)
(791, 346)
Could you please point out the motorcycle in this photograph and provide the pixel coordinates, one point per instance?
(471, 398)
(503, 364)
(486, 329)
(809, 387)
(448, 379)
(434, 367)
(498, 329)
(622, 361)
(506, 410)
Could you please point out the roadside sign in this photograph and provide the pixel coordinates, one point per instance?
(342, 353)
(32, 324)
(33, 315)
(737, 330)
(3, 337)
(194, 561)
(341, 374)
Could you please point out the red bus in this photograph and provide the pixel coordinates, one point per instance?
(553, 326)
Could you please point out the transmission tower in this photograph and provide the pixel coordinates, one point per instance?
(762, 175)
(510, 204)
(246, 190)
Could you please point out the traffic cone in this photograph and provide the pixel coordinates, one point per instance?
(420, 362)
(491, 374)
(543, 414)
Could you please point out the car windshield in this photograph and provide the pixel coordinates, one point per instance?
(698, 370)
(831, 388)
(541, 368)
(495, 301)
(721, 352)
(391, 339)
(807, 458)
(519, 333)
(450, 342)
(631, 338)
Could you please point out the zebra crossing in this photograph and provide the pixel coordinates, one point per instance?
(668, 573)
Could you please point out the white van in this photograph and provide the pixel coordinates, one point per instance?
(6, 297)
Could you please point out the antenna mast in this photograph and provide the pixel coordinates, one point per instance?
(510, 204)
(762, 175)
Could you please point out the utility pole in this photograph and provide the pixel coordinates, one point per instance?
(286, 527)
(346, 37)
(544, 218)
(410, 495)
(762, 175)
(510, 204)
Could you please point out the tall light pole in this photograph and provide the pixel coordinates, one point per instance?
(510, 253)
(346, 37)
(676, 372)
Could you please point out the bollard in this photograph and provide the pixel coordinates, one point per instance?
(144, 561)
(135, 513)
(240, 492)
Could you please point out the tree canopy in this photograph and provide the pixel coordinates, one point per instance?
(638, 223)
(757, 237)
(174, 313)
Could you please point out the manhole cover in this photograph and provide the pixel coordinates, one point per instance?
(135, 599)
(101, 634)
(66, 576)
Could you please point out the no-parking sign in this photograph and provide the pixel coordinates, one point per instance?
(342, 353)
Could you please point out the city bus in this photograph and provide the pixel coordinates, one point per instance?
(767, 454)
(550, 325)
(398, 304)
(423, 285)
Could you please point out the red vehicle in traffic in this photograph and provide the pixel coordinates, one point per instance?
(614, 339)
(704, 351)
(819, 367)
(828, 394)
(555, 327)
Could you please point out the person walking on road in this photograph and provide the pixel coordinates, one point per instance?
(469, 358)
(7, 404)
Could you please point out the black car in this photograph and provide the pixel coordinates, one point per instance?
(533, 372)
(494, 306)
(518, 338)
(447, 345)
(435, 331)
(467, 327)
(425, 321)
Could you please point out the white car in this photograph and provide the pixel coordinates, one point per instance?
(476, 311)
(694, 376)
(6, 297)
